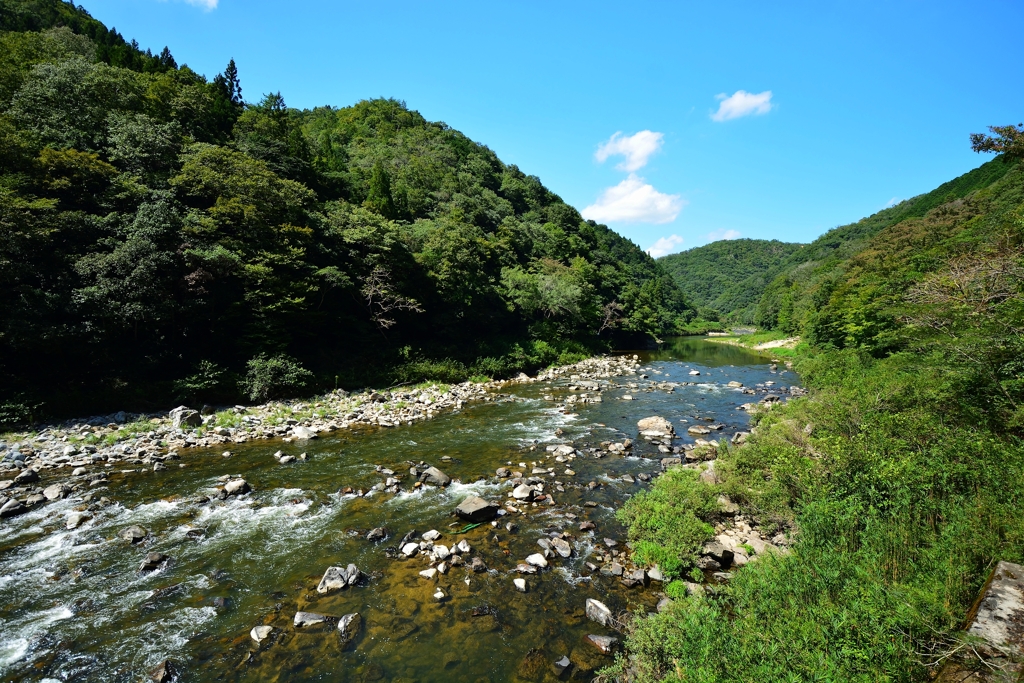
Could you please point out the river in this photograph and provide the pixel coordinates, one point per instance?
(75, 607)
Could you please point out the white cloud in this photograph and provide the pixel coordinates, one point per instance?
(665, 245)
(742, 103)
(207, 5)
(723, 234)
(637, 149)
(893, 202)
(634, 201)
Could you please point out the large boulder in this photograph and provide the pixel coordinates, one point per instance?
(184, 417)
(348, 626)
(26, 476)
(133, 534)
(336, 578)
(56, 491)
(435, 477)
(476, 509)
(308, 619)
(300, 432)
(236, 487)
(656, 426)
(719, 553)
(598, 611)
(523, 492)
(261, 633)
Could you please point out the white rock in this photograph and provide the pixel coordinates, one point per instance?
(410, 549)
(429, 573)
(520, 585)
(537, 560)
(431, 535)
(261, 633)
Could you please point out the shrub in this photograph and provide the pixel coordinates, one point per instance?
(278, 376)
(206, 379)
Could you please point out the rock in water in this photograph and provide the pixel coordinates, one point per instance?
(561, 547)
(165, 673)
(656, 425)
(348, 626)
(378, 534)
(431, 535)
(598, 611)
(520, 585)
(561, 667)
(56, 491)
(523, 492)
(133, 534)
(261, 633)
(336, 578)
(236, 487)
(26, 476)
(476, 509)
(435, 477)
(76, 518)
(300, 432)
(308, 619)
(184, 417)
(153, 561)
(537, 560)
(603, 643)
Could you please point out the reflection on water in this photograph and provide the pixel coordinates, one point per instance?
(75, 607)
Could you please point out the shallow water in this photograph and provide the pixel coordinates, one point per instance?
(73, 606)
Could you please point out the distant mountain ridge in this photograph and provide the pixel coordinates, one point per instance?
(727, 278)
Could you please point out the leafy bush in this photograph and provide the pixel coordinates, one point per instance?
(665, 522)
(206, 379)
(274, 377)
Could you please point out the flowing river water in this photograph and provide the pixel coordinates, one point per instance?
(74, 606)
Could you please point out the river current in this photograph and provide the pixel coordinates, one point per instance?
(75, 607)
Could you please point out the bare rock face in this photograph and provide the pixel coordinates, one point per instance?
(656, 426)
(476, 509)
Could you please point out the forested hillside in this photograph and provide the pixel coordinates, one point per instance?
(807, 278)
(162, 238)
(899, 481)
(726, 279)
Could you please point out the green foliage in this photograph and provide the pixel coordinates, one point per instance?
(151, 216)
(206, 380)
(665, 522)
(728, 275)
(274, 377)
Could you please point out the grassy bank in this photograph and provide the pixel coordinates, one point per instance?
(900, 503)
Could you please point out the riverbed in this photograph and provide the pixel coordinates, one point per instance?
(74, 604)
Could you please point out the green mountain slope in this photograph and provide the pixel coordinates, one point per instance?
(728, 277)
(806, 278)
(897, 484)
(164, 240)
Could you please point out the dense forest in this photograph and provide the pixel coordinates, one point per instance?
(900, 479)
(162, 238)
(725, 279)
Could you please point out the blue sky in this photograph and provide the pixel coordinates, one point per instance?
(675, 123)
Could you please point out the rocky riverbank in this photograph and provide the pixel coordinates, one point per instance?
(81, 453)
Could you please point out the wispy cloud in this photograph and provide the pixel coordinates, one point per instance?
(742, 103)
(716, 235)
(634, 201)
(637, 149)
(207, 5)
(665, 245)
(892, 202)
